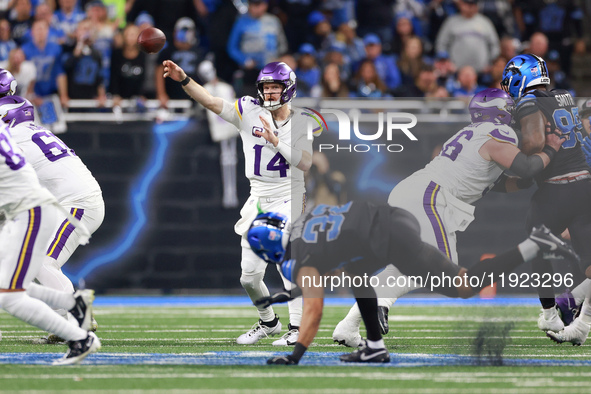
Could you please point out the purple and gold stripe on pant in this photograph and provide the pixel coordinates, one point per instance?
(430, 205)
(63, 233)
(26, 252)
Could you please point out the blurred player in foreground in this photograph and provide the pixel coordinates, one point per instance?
(31, 212)
(277, 150)
(441, 195)
(359, 238)
(62, 173)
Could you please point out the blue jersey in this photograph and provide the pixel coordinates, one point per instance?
(49, 65)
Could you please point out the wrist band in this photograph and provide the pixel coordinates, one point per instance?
(186, 81)
(298, 351)
(549, 151)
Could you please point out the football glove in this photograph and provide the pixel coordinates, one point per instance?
(586, 146)
(282, 296)
(282, 360)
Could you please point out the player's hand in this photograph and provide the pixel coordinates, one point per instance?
(173, 71)
(267, 133)
(276, 298)
(554, 138)
(282, 360)
(586, 146)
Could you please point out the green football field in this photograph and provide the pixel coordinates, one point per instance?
(186, 349)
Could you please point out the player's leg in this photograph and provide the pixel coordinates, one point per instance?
(24, 242)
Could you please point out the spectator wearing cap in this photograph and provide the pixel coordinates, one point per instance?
(185, 52)
(444, 70)
(467, 83)
(385, 64)
(469, 37)
(307, 72)
(376, 16)
(7, 44)
(20, 19)
(103, 32)
(256, 39)
(321, 31)
(67, 18)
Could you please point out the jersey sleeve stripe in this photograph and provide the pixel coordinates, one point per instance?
(27, 247)
(498, 136)
(238, 106)
(430, 204)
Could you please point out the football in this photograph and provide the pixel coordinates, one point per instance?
(151, 40)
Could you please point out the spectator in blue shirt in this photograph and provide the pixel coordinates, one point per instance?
(308, 72)
(385, 65)
(7, 44)
(47, 56)
(467, 83)
(67, 19)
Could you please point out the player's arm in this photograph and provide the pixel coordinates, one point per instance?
(192, 88)
(532, 131)
(311, 315)
(508, 156)
(295, 155)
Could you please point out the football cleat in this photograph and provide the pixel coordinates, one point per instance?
(79, 350)
(576, 333)
(82, 310)
(258, 332)
(289, 338)
(552, 324)
(366, 354)
(567, 307)
(383, 319)
(93, 324)
(347, 334)
(550, 245)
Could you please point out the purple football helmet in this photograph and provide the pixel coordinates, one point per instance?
(16, 109)
(281, 73)
(7, 83)
(491, 105)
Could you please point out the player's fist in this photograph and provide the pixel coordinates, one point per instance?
(276, 298)
(554, 138)
(282, 360)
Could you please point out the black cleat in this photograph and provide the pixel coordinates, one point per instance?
(550, 245)
(366, 354)
(383, 319)
(79, 350)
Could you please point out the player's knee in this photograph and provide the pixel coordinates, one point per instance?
(250, 281)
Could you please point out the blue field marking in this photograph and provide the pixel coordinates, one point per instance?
(214, 300)
(327, 359)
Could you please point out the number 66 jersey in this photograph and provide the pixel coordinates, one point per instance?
(57, 166)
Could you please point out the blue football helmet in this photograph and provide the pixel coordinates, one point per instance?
(268, 236)
(522, 72)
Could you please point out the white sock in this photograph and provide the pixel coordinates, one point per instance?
(256, 288)
(580, 292)
(40, 315)
(528, 249)
(50, 275)
(550, 313)
(53, 298)
(376, 344)
(295, 311)
(354, 316)
(586, 311)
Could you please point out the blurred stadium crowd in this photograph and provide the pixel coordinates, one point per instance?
(86, 49)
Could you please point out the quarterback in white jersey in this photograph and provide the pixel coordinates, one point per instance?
(31, 211)
(66, 177)
(277, 150)
(441, 195)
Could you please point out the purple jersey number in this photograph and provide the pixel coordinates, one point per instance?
(14, 160)
(52, 147)
(453, 149)
(277, 163)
